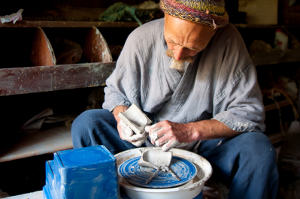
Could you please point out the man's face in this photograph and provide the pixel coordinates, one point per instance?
(185, 39)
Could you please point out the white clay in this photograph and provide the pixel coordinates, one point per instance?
(135, 119)
(155, 158)
(159, 160)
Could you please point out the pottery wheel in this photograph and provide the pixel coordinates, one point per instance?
(138, 176)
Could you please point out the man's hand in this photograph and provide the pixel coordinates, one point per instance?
(169, 134)
(125, 132)
(116, 111)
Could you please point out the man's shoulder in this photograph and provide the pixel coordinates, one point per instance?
(150, 29)
(157, 23)
(229, 33)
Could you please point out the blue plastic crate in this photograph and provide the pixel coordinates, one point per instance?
(88, 172)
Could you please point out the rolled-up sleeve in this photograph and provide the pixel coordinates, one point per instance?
(238, 99)
(240, 107)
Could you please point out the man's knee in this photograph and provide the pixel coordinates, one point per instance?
(88, 120)
(88, 127)
(257, 149)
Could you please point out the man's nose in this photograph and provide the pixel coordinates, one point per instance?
(178, 53)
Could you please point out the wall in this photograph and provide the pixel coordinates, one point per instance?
(260, 11)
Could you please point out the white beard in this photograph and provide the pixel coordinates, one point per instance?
(179, 65)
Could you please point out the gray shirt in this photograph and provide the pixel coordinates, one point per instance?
(220, 84)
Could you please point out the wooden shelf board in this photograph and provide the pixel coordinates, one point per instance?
(69, 24)
(267, 26)
(33, 195)
(261, 62)
(276, 138)
(38, 143)
(35, 79)
(258, 26)
(120, 24)
(273, 106)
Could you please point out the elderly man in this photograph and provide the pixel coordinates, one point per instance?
(191, 74)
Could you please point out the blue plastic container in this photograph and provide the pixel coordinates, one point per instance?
(88, 172)
(49, 190)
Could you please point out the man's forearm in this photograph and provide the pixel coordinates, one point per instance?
(210, 129)
(117, 110)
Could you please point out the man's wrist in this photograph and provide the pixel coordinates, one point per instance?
(210, 129)
(117, 110)
(195, 129)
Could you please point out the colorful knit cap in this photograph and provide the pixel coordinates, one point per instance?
(210, 12)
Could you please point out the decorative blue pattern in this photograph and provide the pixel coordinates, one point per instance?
(138, 176)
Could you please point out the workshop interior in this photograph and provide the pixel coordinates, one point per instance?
(56, 56)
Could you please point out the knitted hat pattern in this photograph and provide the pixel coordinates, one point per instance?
(210, 12)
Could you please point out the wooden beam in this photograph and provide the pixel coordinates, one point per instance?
(69, 24)
(35, 79)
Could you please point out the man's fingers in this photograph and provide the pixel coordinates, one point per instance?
(164, 134)
(137, 137)
(138, 143)
(153, 128)
(170, 144)
(126, 132)
(164, 139)
(153, 137)
(147, 128)
(128, 135)
(156, 133)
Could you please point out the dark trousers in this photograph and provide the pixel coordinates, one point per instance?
(246, 163)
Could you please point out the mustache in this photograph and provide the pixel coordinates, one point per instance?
(170, 53)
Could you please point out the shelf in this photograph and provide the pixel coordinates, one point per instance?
(290, 57)
(35, 79)
(274, 106)
(121, 24)
(276, 138)
(38, 143)
(261, 63)
(258, 26)
(69, 24)
(33, 195)
(266, 26)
